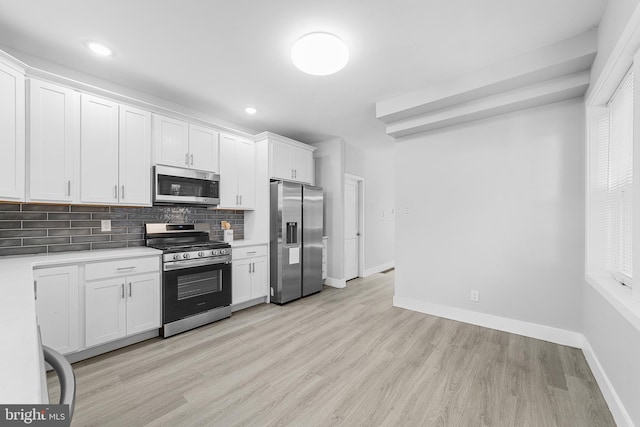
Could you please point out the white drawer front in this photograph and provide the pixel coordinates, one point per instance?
(99, 270)
(249, 252)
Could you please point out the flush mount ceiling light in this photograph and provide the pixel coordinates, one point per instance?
(250, 111)
(99, 49)
(320, 54)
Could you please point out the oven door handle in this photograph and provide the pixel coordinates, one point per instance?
(180, 265)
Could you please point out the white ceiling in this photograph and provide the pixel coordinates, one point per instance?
(219, 56)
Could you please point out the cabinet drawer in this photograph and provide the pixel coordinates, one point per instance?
(121, 267)
(248, 252)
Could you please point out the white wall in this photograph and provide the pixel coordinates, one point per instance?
(379, 200)
(497, 206)
(616, 345)
(377, 167)
(329, 158)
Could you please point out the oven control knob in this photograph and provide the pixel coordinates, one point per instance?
(200, 254)
(185, 256)
(215, 252)
(176, 256)
(223, 251)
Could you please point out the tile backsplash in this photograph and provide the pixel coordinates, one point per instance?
(43, 228)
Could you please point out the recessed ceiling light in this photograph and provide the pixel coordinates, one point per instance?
(320, 54)
(250, 110)
(99, 49)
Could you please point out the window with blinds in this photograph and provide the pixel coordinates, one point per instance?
(617, 159)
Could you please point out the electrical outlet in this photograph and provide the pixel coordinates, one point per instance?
(105, 225)
(475, 296)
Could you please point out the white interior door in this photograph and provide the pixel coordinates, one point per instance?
(351, 229)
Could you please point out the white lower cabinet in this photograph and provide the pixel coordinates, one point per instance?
(121, 306)
(249, 273)
(87, 304)
(57, 307)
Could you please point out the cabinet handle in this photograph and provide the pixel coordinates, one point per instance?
(249, 268)
(69, 188)
(254, 267)
(35, 289)
(122, 288)
(292, 173)
(129, 289)
(191, 159)
(241, 199)
(125, 268)
(251, 252)
(122, 194)
(186, 159)
(115, 192)
(295, 173)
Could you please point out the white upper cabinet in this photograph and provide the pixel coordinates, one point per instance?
(115, 165)
(134, 166)
(53, 118)
(99, 150)
(171, 141)
(291, 160)
(203, 149)
(12, 134)
(237, 173)
(180, 144)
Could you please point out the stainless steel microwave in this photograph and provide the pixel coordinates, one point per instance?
(187, 187)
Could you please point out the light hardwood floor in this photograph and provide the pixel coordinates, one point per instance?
(341, 357)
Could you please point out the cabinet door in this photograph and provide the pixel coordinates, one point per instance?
(203, 149)
(245, 161)
(303, 169)
(280, 161)
(53, 117)
(259, 284)
(228, 172)
(143, 303)
(170, 141)
(134, 156)
(105, 306)
(57, 307)
(241, 286)
(99, 150)
(12, 126)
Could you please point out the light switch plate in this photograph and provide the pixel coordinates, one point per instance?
(105, 225)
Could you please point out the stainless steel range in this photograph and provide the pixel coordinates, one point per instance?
(196, 277)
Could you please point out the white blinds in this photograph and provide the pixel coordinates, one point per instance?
(618, 160)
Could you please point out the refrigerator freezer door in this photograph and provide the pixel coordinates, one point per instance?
(286, 237)
(312, 221)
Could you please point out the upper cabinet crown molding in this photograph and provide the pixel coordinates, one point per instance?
(284, 140)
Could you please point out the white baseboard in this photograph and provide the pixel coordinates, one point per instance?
(335, 283)
(379, 268)
(533, 330)
(620, 414)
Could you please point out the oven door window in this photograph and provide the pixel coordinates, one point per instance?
(194, 290)
(199, 284)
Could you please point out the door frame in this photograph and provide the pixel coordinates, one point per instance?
(361, 228)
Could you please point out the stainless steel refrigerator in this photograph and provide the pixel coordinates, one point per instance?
(296, 241)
